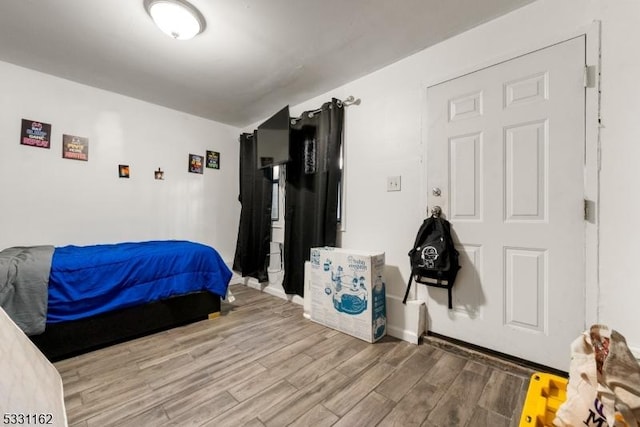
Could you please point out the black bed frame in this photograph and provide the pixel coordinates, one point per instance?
(63, 340)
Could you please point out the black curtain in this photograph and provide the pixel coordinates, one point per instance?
(312, 179)
(254, 232)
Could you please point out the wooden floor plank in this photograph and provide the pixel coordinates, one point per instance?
(249, 409)
(253, 423)
(246, 388)
(522, 396)
(340, 340)
(152, 417)
(202, 396)
(290, 350)
(296, 405)
(368, 412)
(261, 363)
(459, 402)
(309, 328)
(367, 357)
(399, 353)
(317, 368)
(89, 380)
(446, 369)
(166, 363)
(111, 388)
(222, 369)
(89, 359)
(343, 400)
(501, 395)
(406, 376)
(414, 407)
(318, 416)
(484, 418)
(192, 373)
(72, 401)
(116, 414)
(200, 412)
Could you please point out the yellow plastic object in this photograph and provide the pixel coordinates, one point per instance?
(545, 395)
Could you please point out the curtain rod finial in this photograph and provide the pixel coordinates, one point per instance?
(350, 100)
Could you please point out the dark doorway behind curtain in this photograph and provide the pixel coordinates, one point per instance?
(254, 231)
(311, 192)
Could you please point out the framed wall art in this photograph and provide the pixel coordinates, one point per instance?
(75, 147)
(35, 134)
(195, 163)
(213, 159)
(123, 171)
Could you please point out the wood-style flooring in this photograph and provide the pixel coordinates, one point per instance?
(261, 363)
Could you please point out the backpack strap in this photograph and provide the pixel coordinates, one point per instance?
(438, 284)
(424, 229)
(406, 294)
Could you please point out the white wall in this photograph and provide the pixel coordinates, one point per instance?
(46, 199)
(384, 136)
(620, 174)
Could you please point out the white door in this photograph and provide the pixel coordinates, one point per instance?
(506, 149)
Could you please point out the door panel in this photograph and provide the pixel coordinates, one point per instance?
(465, 171)
(506, 148)
(526, 167)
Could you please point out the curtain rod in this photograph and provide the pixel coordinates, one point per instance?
(349, 100)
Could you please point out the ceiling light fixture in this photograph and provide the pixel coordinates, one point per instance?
(177, 18)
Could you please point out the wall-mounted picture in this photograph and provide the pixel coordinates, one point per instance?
(195, 163)
(123, 171)
(75, 147)
(35, 134)
(159, 174)
(213, 159)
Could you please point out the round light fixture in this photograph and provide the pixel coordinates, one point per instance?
(176, 18)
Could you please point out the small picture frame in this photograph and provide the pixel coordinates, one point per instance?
(123, 171)
(35, 134)
(195, 163)
(213, 159)
(159, 174)
(75, 147)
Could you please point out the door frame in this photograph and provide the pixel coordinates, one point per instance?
(592, 33)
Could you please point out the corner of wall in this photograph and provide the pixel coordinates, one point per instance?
(406, 322)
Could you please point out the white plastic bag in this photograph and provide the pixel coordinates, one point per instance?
(604, 382)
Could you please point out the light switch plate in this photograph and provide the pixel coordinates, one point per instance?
(393, 183)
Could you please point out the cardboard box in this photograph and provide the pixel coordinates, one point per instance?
(347, 292)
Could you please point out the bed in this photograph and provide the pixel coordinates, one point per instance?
(74, 299)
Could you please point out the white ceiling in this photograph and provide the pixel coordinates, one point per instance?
(254, 57)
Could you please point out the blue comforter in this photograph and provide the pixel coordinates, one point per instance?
(89, 280)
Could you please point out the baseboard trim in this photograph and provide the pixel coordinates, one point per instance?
(402, 334)
(296, 299)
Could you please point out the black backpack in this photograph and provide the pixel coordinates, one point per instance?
(434, 260)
